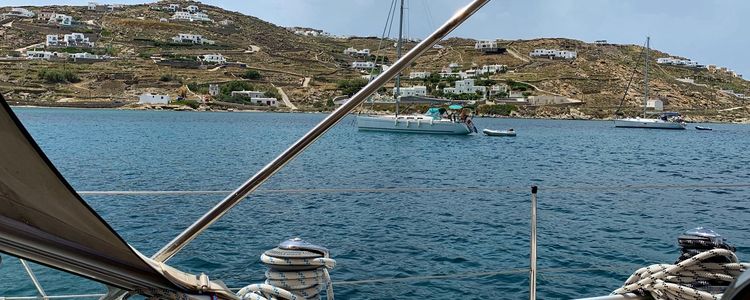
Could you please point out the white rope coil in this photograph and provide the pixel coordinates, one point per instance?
(672, 282)
(292, 279)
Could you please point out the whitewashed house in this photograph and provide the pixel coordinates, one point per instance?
(53, 40)
(350, 51)
(85, 55)
(173, 7)
(77, 40)
(491, 69)
(200, 16)
(665, 60)
(465, 86)
(552, 53)
(61, 19)
(212, 58)
(20, 12)
(419, 74)
(483, 45)
(453, 66)
(226, 22)
(187, 16)
(93, 5)
(191, 39)
(655, 104)
(192, 8)
(148, 98)
(213, 89)
(417, 90)
(256, 97)
(45, 15)
(33, 54)
(498, 89)
(363, 65)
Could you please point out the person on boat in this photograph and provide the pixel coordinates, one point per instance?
(511, 130)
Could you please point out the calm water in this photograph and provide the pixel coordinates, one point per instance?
(385, 235)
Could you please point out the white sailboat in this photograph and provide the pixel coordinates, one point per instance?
(669, 120)
(429, 124)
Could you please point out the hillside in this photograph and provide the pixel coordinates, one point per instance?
(137, 36)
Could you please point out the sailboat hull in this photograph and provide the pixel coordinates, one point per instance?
(648, 124)
(411, 124)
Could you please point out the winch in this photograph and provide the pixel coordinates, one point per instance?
(296, 270)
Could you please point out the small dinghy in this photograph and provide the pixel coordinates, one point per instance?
(703, 128)
(490, 132)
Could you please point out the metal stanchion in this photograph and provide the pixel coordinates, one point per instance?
(532, 267)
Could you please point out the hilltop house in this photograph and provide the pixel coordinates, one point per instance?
(69, 40)
(213, 89)
(421, 75)
(191, 39)
(488, 47)
(53, 40)
(45, 15)
(173, 7)
(465, 86)
(492, 69)
(552, 53)
(679, 62)
(354, 52)
(192, 8)
(363, 65)
(148, 98)
(212, 58)
(226, 22)
(418, 90)
(187, 16)
(20, 12)
(498, 89)
(60, 19)
(86, 56)
(256, 97)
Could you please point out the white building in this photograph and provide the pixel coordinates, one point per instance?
(417, 90)
(498, 89)
(93, 5)
(173, 7)
(213, 89)
(61, 19)
(491, 69)
(52, 40)
(350, 51)
(656, 104)
(681, 62)
(148, 98)
(212, 58)
(226, 22)
(256, 97)
(421, 75)
(552, 53)
(191, 38)
(192, 8)
(33, 54)
(20, 12)
(363, 65)
(77, 40)
(483, 45)
(465, 86)
(454, 66)
(186, 16)
(85, 55)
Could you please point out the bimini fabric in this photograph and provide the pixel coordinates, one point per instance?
(43, 219)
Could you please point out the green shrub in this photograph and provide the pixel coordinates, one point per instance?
(167, 78)
(350, 87)
(59, 76)
(251, 74)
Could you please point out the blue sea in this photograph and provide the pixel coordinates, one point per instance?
(611, 200)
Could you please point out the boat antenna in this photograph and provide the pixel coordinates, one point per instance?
(397, 94)
(645, 88)
(386, 28)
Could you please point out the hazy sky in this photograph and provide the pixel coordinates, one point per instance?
(711, 32)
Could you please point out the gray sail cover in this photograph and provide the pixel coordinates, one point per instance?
(44, 220)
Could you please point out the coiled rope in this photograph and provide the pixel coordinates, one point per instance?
(292, 278)
(688, 279)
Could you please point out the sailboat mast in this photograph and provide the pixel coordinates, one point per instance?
(397, 94)
(645, 89)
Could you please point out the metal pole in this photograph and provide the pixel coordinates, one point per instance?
(33, 279)
(645, 88)
(532, 263)
(398, 54)
(300, 145)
